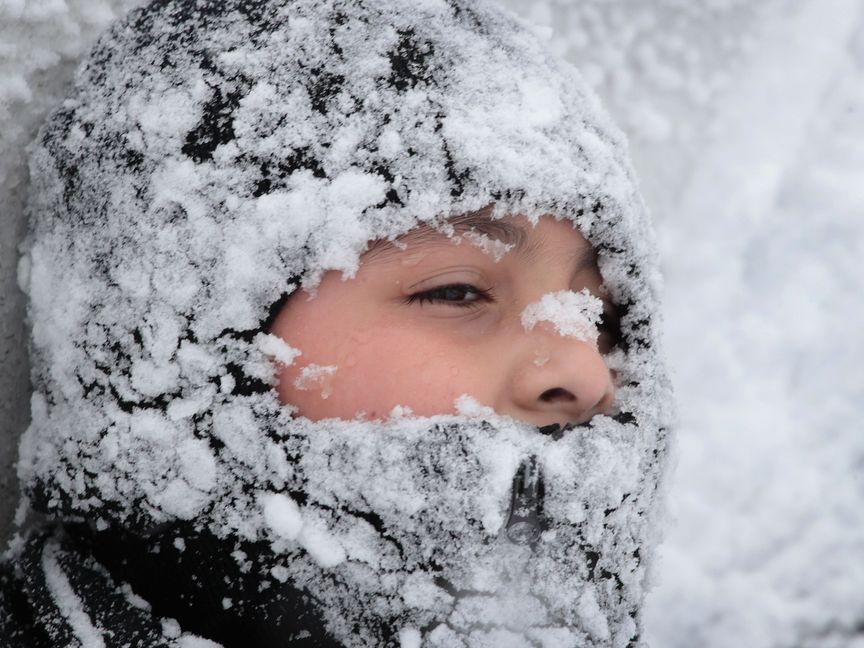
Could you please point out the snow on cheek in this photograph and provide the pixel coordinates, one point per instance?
(318, 377)
(572, 314)
(275, 347)
(467, 405)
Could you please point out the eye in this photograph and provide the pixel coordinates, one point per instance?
(459, 295)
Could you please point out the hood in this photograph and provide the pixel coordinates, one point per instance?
(211, 157)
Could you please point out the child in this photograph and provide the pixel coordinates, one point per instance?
(314, 291)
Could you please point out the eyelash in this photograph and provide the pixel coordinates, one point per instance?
(606, 326)
(436, 296)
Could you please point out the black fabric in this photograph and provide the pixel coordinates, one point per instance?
(192, 577)
(112, 572)
(18, 625)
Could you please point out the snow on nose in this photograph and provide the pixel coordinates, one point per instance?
(572, 314)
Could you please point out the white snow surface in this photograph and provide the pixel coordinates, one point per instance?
(744, 119)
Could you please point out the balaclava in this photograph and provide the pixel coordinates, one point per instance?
(212, 156)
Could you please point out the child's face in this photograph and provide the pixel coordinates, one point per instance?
(420, 326)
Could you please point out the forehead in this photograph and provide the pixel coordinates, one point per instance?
(516, 234)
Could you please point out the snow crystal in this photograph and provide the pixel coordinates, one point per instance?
(420, 591)
(282, 515)
(409, 638)
(227, 383)
(197, 464)
(194, 641)
(317, 377)
(183, 408)
(400, 411)
(134, 599)
(493, 247)
(466, 405)
(180, 499)
(280, 573)
(277, 348)
(572, 314)
(322, 546)
(152, 379)
(592, 616)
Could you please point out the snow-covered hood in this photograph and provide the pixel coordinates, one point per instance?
(210, 155)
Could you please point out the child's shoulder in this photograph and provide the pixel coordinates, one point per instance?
(53, 593)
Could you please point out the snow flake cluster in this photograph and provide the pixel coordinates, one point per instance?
(572, 314)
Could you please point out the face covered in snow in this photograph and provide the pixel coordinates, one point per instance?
(212, 156)
(431, 318)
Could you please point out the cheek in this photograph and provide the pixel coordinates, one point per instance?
(382, 368)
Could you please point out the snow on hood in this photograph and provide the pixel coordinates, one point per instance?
(213, 155)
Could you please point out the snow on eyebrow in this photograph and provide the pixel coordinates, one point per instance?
(572, 314)
(495, 236)
(493, 247)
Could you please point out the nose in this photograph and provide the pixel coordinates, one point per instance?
(556, 379)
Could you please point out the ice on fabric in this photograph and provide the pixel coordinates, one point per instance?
(205, 164)
(68, 602)
(282, 515)
(572, 314)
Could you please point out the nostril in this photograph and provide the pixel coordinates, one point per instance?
(557, 395)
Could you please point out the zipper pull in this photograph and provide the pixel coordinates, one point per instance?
(525, 523)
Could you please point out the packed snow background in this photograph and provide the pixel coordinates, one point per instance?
(746, 120)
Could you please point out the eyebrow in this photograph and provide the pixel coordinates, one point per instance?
(479, 222)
